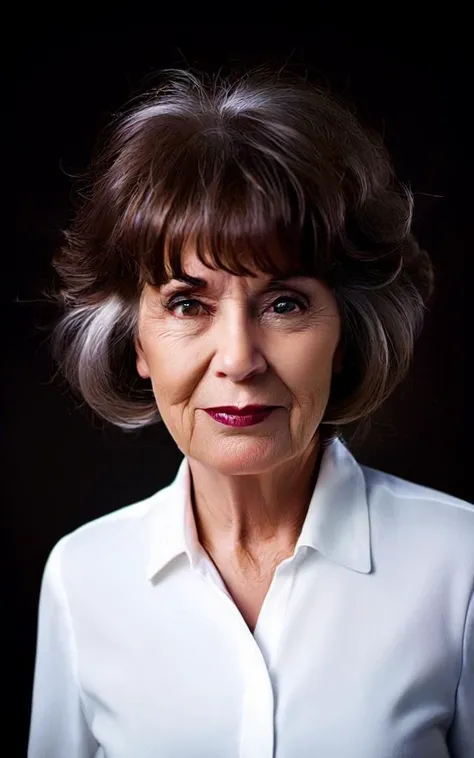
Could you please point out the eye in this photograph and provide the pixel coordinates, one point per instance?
(190, 306)
(280, 305)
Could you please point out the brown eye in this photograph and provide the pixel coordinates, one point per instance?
(190, 307)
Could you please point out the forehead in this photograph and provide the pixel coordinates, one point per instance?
(193, 267)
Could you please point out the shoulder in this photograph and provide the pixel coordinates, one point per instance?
(383, 487)
(107, 546)
(435, 522)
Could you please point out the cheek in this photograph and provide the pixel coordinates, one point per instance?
(172, 372)
(168, 372)
(155, 354)
(309, 379)
(309, 364)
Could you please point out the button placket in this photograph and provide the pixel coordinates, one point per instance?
(258, 711)
(272, 619)
(257, 725)
(258, 654)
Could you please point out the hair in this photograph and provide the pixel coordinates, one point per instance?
(263, 172)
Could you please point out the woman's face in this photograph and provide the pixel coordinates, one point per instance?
(239, 341)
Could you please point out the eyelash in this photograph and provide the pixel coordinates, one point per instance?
(173, 303)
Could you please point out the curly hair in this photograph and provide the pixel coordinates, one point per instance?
(263, 173)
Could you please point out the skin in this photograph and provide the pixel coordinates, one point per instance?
(231, 345)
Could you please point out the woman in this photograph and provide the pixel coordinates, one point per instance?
(243, 268)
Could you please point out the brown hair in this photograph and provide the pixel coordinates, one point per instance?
(263, 172)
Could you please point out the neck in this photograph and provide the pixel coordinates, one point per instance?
(238, 514)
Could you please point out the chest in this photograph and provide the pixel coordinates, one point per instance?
(248, 595)
(331, 670)
(249, 585)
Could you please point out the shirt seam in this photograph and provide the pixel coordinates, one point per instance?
(62, 597)
(462, 505)
(463, 654)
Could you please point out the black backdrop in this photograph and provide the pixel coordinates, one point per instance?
(60, 469)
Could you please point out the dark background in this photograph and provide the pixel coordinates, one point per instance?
(61, 468)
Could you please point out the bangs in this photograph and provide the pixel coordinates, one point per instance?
(240, 210)
(254, 175)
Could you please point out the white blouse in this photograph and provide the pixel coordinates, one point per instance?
(364, 647)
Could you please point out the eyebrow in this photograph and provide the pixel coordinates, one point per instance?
(198, 283)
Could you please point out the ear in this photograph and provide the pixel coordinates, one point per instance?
(141, 362)
(337, 362)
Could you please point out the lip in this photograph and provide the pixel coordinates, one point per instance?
(248, 416)
(245, 411)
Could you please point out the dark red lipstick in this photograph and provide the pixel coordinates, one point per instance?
(249, 415)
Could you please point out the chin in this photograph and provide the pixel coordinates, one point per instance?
(247, 456)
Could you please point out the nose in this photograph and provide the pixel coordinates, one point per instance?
(238, 355)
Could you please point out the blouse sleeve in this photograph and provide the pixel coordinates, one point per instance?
(461, 733)
(58, 727)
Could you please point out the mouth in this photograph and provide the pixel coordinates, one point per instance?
(248, 416)
(245, 411)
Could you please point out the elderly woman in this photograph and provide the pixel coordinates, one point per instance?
(243, 268)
